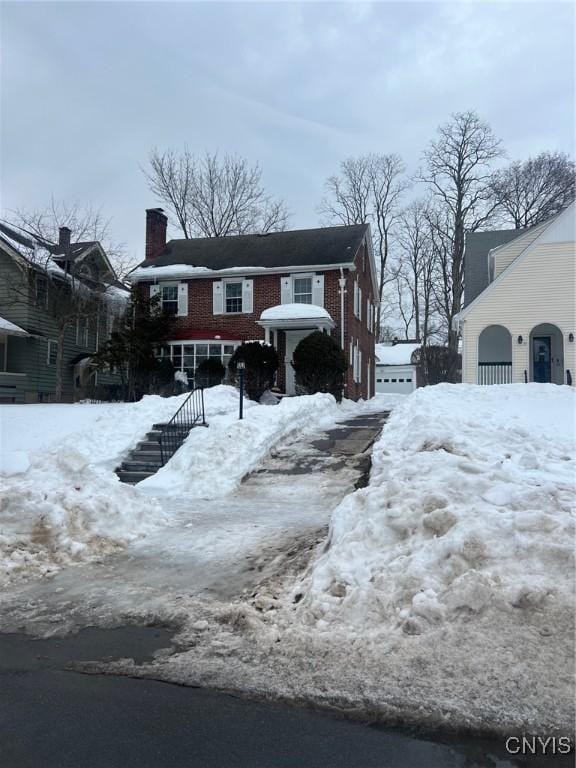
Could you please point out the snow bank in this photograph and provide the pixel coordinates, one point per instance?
(102, 432)
(212, 462)
(470, 506)
(60, 501)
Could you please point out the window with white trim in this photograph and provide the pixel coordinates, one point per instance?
(52, 352)
(233, 296)
(82, 331)
(169, 298)
(355, 298)
(302, 290)
(187, 356)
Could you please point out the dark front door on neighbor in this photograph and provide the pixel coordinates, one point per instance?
(541, 348)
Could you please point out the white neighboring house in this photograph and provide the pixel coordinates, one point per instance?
(395, 371)
(521, 324)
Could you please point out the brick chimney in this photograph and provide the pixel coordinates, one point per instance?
(64, 235)
(156, 223)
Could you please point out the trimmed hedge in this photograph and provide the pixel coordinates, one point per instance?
(261, 365)
(320, 365)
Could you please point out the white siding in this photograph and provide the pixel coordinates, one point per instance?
(505, 255)
(539, 289)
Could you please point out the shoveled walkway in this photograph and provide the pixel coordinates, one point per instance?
(214, 549)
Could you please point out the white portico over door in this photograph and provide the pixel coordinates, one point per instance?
(297, 321)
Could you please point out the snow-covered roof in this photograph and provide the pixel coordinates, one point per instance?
(10, 329)
(116, 294)
(396, 354)
(295, 312)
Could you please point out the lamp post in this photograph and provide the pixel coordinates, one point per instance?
(241, 367)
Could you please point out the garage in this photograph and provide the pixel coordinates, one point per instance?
(395, 372)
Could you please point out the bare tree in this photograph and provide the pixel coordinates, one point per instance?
(416, 271)
(457, 170)
(529, 192)
(86, 223)
(369, 188)
(210, 196)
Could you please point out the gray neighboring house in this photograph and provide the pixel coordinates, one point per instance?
(28, 330)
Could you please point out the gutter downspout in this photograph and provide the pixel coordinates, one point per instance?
(342, 284)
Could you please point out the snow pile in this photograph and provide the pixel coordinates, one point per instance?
(469, 511)
(212, 462)
(60, 501)
(101, 432)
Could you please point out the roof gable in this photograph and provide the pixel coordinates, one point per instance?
(555, 230)
(476, 268)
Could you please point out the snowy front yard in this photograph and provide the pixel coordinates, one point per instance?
(60, 501)
(443, 593)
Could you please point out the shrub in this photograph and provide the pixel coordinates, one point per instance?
(436, 364)
(209, 373)
(261, 365)
(320, 365)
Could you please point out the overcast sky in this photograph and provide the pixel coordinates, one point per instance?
(88, 88)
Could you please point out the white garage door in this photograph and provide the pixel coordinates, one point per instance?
(400, 379)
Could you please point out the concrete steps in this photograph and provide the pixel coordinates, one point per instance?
(145, 459)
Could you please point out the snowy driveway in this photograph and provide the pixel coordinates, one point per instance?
(213, 548)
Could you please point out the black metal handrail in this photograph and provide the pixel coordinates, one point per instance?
(190, 414)
(568, 377)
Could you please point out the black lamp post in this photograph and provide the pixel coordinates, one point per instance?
(241, 367)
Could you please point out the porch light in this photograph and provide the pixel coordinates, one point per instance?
(570, 337)
(520, 339)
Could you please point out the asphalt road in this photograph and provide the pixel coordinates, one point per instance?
(51, 717)
(55, 719)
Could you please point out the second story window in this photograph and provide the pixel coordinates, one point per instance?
(82, 332)
(52, 354)
(302, 290)
(170, 299)
(41, 291)
(233, 297)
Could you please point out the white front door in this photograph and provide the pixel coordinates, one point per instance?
(293, 338)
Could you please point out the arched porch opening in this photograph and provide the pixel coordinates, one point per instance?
(495, 355)
(546, 354)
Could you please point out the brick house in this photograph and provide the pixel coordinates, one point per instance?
(277, 287)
